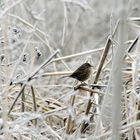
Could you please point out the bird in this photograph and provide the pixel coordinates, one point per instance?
(82, 73)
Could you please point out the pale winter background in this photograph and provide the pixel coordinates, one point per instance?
(41, 42)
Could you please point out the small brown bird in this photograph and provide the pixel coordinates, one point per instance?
(82, 73)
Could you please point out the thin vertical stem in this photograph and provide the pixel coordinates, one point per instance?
(34, 102)
(23, 101)
(69, 126)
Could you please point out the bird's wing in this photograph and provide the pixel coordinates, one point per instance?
(79, 71)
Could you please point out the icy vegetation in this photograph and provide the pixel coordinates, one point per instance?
(42, 42)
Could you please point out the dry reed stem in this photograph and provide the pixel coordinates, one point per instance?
(103, 57)
(13, 104)
(70, 122)
(133, 44)
(77, 54)
(23, 101)
(88, 89)
(42, 65)
(34, 103)
(129, 123)
(31, 76)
